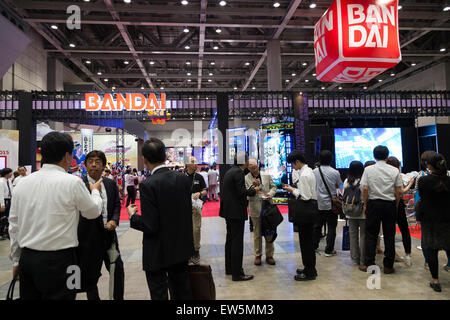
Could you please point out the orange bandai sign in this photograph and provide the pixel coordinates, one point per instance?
(127, 101)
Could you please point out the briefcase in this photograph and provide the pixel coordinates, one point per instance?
(10, 294)
(202, 282)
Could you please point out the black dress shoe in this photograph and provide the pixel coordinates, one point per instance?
(304, 277)
(436, 287)
(242, 277)
(299, 271)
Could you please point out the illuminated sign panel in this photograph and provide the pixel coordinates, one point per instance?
(124, 102)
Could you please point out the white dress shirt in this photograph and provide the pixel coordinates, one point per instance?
(305, 181)
(16, 180)
(5, 193)
(45, 211)
(129, 180)
(381, 179)
(104, 197)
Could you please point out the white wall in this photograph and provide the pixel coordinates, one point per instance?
(30, 69)
(435, 78)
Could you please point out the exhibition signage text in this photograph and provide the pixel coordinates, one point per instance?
(356, 40)
(127, 102)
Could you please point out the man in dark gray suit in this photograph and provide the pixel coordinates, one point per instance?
(233, 207)
(166, 222)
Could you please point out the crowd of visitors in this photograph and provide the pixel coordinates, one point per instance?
(57, 220)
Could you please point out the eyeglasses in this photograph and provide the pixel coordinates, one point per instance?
(97, 162)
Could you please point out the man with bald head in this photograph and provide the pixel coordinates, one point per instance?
(255, 204)
(198, 187)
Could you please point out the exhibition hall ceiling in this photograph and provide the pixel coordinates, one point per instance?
(212, 45)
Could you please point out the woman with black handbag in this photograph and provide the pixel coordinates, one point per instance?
(303, 212)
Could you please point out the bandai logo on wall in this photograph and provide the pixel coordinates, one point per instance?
(356, 40)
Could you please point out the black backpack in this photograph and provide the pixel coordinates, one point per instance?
(352, 203)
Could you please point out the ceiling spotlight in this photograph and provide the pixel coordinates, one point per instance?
(247, 63)
(380, 80)
(99, 73)
(287, 80)
(187, 47)
(216, 48)
(184, 2)
(152, 62)
(306, 80)
(72, 45)
(340, 88)
(223, 3)
(276, 4)
(392, 74)
(443, 50)
(188, 73)
(399, 7)
(218, 30)
(254, 88)
(127, 1)
(189, 80)
(209, 80)
(142, 88)
(323, 88)
(365, 88)
(162, 88)
(294, 74)
(113, 88)
(126, 62)
(106, 80)
(188, 63)
(54, 27)
(88, 61)
(213, 63)
(413, 64)
(304, 64)
(235, 88)
(211, 74)
(314, 74)
(185, 30)
(446, 9)
(312, 5)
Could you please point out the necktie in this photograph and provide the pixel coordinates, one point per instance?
(9, 189)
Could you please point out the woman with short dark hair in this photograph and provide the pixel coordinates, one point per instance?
(433, 212)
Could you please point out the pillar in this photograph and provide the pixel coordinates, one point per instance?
(222, 124)
(27, 131)
(274, 76)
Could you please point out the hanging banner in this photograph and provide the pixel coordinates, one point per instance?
(87, 140)
(9, 149)
(356, 40)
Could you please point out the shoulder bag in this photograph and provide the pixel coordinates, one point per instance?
(10, 294)
(301, 211)
(336, 202)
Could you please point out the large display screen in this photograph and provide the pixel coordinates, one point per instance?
(275, 156)
(358, 144)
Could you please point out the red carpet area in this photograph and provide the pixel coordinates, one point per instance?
(211, 209)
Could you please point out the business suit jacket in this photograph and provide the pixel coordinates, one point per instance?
(268, 187)
(233, 200)
(94, 239)
(165, 220)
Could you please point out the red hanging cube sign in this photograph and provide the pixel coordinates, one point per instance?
(356, 40)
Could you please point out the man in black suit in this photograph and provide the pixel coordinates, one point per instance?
(233, 207)
(98, 237)
(166, 221)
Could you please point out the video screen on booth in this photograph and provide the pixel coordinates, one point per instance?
(358, 143)
(275, 156)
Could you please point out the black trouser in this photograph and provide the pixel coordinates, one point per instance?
(328, 217)
(119, 280)
(433, 262)
(175, 279)
(380, 211)
(43, 274)
(402, 223)
(306, 241)
(131, 190)
(234, 246)
(4, 224)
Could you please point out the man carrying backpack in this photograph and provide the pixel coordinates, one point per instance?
(352, 206)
